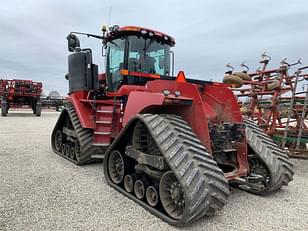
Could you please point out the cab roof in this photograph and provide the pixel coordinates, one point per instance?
(116, 32)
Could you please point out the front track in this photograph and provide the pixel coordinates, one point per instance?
(191, 184)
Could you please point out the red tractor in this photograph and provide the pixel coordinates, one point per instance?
(18, 92)
(171, 144)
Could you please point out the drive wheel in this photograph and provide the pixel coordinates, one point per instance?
(58, 140)
(116, 167)
(152, 196)
(172, 195)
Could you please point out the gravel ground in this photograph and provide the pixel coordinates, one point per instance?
(41, 191)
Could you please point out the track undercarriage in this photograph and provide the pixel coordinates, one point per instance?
(71, 141)
(158, 162)
(164, 168)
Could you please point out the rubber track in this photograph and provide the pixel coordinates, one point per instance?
(277, 161)
(205, 187)
(85, 137)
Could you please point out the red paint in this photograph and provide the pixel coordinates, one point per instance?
(198, 104)
(139, 101)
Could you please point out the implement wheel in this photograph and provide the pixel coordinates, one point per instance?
(273, 85)
(38, 109)
(234, 81)
(3, 109)
(242, 75)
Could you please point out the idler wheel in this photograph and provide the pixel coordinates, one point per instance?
(172, 195)
(116, 167)
(58, 140)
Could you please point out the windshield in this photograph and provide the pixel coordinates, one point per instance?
(115, 62)
(148, 56)
(135, 54)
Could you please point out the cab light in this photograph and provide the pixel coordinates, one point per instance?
(143, 32)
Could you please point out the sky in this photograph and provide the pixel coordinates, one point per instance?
(209, 34)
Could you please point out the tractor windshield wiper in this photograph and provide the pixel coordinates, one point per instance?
(113, 43)
(148, 46)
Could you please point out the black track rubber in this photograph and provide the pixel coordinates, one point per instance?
(276, 161)
(84, 136)
(205, 187)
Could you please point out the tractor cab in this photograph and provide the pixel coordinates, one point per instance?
(135, 55)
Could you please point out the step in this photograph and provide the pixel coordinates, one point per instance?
(101, 144)
(105, 111)
(104, 117)
(96, 156)
(102, 133)
(103, 128)
(103, 122)
(101, 140)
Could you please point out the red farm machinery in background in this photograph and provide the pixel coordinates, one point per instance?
(276, 102)
(171, 144)
(20, 93)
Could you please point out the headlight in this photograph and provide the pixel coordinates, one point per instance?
(177, 93)
(166, 92)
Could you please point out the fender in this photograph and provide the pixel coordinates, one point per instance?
(138, 101)
(148, 102)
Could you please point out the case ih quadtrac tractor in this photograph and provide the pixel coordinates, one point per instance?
(18, 92)
(171, 144)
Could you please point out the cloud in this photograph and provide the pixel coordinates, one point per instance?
(208, 33)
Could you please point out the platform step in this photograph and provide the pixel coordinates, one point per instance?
(96, 156)
(104, 111)
(101, 144)
(103, 122)
(102, 133)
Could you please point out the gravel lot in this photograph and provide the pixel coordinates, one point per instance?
(41, 191)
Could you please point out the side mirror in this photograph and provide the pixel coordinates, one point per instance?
(73, 42)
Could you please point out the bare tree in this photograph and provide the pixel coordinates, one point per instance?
(54, 95)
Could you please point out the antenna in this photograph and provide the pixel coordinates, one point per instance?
(109, 15)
